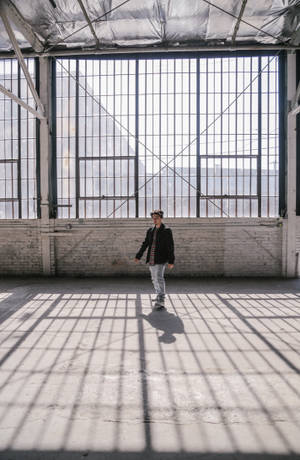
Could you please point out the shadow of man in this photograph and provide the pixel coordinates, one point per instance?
(167, 322)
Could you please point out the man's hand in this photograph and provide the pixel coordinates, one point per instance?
(136, 260)
(170, 266)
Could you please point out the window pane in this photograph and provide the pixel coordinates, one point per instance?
(18, 186)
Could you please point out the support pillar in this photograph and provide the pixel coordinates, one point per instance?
(45, 158)
(289, 234)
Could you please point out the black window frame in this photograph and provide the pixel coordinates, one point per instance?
(182, 55)
(18, 161)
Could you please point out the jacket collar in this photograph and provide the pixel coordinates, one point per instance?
(162, 226)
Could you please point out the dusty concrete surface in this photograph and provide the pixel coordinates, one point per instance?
(88, 371)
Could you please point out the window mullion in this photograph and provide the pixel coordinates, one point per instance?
(136, 161)
(259, 138)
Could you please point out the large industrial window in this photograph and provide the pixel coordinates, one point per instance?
(96, 138)
(197, 137)
(18, 159)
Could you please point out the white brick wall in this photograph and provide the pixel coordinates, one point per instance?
(203, 247)
(20, 248)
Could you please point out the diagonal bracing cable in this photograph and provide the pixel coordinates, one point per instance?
(181, 151)
(259, 29)
(149, 150)
(188, 145)
(173, 159)
(83, 27)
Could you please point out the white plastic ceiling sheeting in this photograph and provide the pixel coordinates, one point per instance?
(155, 23)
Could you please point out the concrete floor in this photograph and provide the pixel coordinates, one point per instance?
(88, 371)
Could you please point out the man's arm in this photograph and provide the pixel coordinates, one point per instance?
(145, 244)
(171, 256)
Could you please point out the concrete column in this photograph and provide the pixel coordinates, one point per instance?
(289, 269)
(45, 156)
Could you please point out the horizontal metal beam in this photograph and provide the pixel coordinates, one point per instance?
(104, 197)
(9, 161)
(22, 25)
(117, 157)
(231, 157)
(228, 197)
(91, 52)
(20, 102)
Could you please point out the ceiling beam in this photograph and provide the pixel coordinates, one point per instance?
(259, 29)
(20, 59)
(60, 41)
(295, 38)
(22, 25)
(19, 101)
(238, 22)
(295, 104)
(295, 111)
(89, 22)
(158, 49)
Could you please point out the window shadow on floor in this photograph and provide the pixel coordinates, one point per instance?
(151, 385)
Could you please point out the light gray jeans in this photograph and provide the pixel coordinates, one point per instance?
(157, 275)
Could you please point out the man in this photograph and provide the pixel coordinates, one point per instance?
(159, 240)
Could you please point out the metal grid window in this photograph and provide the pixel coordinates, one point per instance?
(18, 157)
(197, 137)
(239, 150)
(167, 132)
(96, 138)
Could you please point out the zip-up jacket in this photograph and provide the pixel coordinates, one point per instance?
(164, 247)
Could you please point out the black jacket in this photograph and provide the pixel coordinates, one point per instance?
(164, 248)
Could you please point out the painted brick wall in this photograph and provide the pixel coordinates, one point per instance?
(20, 248)
(204, 247)
(239, 247)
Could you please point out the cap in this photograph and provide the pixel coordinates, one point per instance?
(159, 212)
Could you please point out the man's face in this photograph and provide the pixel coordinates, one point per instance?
(156, 219)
